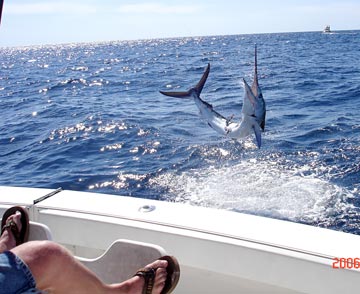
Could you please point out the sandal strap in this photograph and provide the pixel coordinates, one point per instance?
(149, 276)
(14, 229)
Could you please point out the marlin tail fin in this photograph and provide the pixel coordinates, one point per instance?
(198, 88)
(176, 94)
(201, 83)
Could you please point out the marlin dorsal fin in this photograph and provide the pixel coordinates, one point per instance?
(255, 84)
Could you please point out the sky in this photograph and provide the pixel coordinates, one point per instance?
(40, 22)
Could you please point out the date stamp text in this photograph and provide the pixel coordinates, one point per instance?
(346, 263)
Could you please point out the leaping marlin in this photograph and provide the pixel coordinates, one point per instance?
(253, 110)
(259, 104)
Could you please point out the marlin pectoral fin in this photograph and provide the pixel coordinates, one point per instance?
(257, 132)
(176, 94)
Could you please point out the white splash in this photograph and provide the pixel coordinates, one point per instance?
(258, 187)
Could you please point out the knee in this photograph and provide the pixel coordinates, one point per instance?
(42, 257)
(49, 251)
(42, 253)
(50, 247)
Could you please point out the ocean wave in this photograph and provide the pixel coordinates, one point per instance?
(261, 187)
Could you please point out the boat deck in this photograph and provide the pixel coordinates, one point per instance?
(219, 251)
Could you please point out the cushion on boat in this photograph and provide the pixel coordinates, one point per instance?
(122, 259)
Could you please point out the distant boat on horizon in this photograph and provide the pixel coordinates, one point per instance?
(327, 29)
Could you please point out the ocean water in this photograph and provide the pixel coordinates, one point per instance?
(89, 117)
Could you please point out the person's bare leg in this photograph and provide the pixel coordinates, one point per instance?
(7, 239)
(57, 271)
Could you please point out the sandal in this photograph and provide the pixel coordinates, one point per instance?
(173, 275)
(20, 236)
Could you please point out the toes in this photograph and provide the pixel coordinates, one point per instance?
(17, 219)
(158, 264)
(161, 274)
(160, 280)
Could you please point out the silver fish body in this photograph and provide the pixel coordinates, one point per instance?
(260, 107)
(253, 110)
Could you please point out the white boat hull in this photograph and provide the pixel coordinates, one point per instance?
(219, 251)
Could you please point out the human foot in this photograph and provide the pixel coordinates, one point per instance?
(159, 277)
(153, 277)
(14, 227)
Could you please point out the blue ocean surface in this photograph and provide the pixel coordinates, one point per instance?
(89, 117)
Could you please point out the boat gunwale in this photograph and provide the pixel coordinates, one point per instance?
(195, 230)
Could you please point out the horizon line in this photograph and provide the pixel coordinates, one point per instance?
(166, 38)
